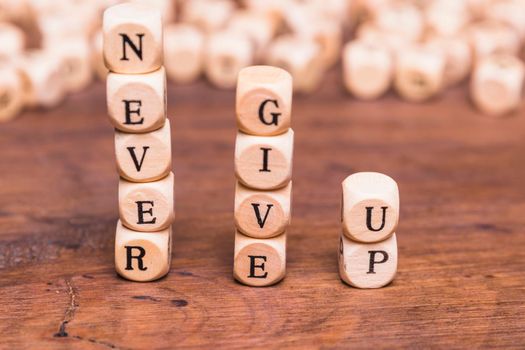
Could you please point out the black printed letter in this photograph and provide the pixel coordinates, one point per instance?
(260, 221)
(253, 266)
(130, 111)
(138, 164)
(129, 257)
(265, 160)
(127, 40)
(369, 219)
(275, 116)
(373, 260)
(141, 212)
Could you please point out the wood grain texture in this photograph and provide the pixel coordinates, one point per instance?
(460, 281)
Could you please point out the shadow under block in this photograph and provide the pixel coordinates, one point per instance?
(259, 262)
(144, 157)
(142, 256)
(264, 162)
(184, 52)
(11, 93)
(132, 38)
(147, 206)
(370, 207)
(137, 102)
(262, 214)
(367, 265)
(264, 100)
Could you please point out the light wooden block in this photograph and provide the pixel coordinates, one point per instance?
(264, 100)
(402, 19)
(137, 102)
(132, 38)
(259, 262)
(97, 57)
(458, 56)
(226, 53)
(299, 56)
(490, 37)
(11, 93)
(13, 41)
(144, 157)
(367, 69)
(446, 17)
(419, 73)
(167, 8)
(370, 207)
(368, 32)
(209, 15)
(262, 214)
(510, 12)
(184, 52)
(371, 265)
(148, 206)
(264, 162)
(74, 56)
(142, 256)
(497, 83)
(260, 28)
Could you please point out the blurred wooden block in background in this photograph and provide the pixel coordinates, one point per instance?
(262, 214)
(142, 256)
(167, 8)
(446, 18)
(209, 15)
(184, 52)
(75, 63)
(226, 53)
(419, 73)
(144, 157)
(12, 41)
(259, 262)
(490, 37)
(264, 100)
(11, 93)
(497, 82)
(367, 69)
(264, 162)
(132, 38)
(97, 57)
(370, 207)
(147, 206)
(510, 12)
(137, 102)
(370, 265)
(402, 19)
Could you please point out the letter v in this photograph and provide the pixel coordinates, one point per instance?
(260, 221)
(138, 164)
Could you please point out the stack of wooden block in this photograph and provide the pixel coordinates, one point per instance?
(263, 166)
(136, 98)
(368, 245)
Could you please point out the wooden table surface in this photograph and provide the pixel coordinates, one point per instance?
(461, 276)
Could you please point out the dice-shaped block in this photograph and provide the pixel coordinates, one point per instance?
(264, 162)
(419, 73)
(148, 206)
(259, 262)
(142, 256)
(258, 27)
(497, 83)
(264, 100)
(132, 38)
(370, 207)
(262, 214)
(184, 52)
(137, 103)
(370, 265)
(144, 157)
(74, 56)
(368, 69)
(12, 39)
(492, 37)
(11, 93)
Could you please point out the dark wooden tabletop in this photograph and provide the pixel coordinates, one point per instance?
(461, 275)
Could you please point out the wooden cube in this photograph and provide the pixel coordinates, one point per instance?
(402, 19)
(259, 262)
(497, 83)
(258, 27)
(209, 15)
(132, 38)
(74, 56)
(226, 53)
(370, 265)
(184, 52)
(167, 8)
(11, 93)
(457, 54)
(368, 32)
(510, 12)
(137, 102)
(13, 41)
(301, 57)
(148, 206)
(262, 214)
(264, 100)
(490, 37)
(370, 207)
(264, 162)
(142, 256)
(144, 157)
(367, 69)
(419, 73)
(446, 17)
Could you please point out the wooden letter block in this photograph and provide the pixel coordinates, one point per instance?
(367, 265)
(368, 69)
(148, 206)
(142, 256)
(132, 38)
(11, 93)
(264, 162)
(260, 28)
(137, 102)
(209, 15)
(419, 73)
(12, 39)
(370, 208)
(75, 63)
(264, 100)
(259, 262)
(226, 53)
(262, 214)
(144, 157)
(497, 83)
(490, 37)
(184, 52)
